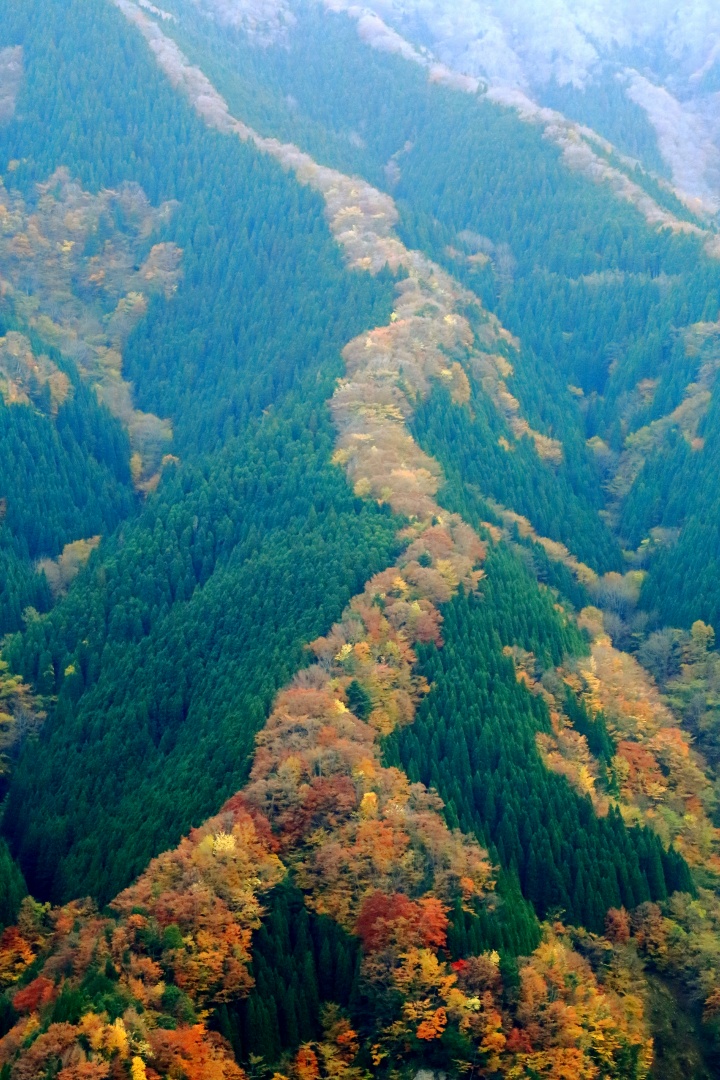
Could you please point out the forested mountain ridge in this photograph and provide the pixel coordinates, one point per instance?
(654, 68)
(404, 936)
(590, 294)
(265, 480)
(349, 832)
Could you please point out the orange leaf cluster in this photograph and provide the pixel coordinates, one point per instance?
(187, 921)
(662, 781)
(193, 1053)
(208, 888)
(385, 919)
(574, 1026)
(346, 824)
(20, 944)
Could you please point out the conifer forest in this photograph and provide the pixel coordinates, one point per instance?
(359, 540)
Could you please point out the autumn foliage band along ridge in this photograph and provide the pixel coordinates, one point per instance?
(366, 846)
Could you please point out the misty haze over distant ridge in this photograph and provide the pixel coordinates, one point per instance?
(529, 42)
(666, 56)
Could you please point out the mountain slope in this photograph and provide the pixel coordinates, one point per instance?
(649, 57)
(236, 504)
(341, 820)
(549, 745)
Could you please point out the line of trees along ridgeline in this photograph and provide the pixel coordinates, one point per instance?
(151, 725)
(594, 294)
(171, 644)
(608, 336)
(474, 741)
(254, 241)
(606, 107)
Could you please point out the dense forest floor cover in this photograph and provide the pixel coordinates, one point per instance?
(162, 662)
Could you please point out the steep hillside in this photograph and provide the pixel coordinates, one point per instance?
(243, 373)
(365, 714)
(602, 366)
(368, 848)
(653, 64)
